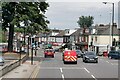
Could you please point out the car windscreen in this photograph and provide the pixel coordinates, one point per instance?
(114, 52)
(49, 50)
(78, 51)
(90, 53)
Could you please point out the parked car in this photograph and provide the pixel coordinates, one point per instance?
(1, 61)
(90, 56)
(79, 53)
(49, 52)
(56, 49)
(3, 48)
(114, 54)
(118, 50)
(70, 56)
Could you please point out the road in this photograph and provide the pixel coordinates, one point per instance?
(55, 68)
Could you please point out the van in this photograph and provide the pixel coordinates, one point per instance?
(70, 56)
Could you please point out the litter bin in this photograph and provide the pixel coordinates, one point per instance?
(105, 53)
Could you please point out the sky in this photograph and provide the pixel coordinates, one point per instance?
(64, 14)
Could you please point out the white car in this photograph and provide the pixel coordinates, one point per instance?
(1, 61)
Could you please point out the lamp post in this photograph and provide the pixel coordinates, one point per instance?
(110, 31)
(112, 17)
(23, 26)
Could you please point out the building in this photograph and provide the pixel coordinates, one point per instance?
(101, 38)
(83, 39)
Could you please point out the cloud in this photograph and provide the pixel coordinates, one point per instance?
(66, 14)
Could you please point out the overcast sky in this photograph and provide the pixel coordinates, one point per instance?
(64, 14)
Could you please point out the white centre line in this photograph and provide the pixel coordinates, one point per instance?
(61, 70)
(87, 70)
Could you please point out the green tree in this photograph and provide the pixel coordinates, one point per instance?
(85, 22)
(17, 29)
(31, 13)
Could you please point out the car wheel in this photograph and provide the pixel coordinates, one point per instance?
(83, 60)
(64, 62)
(96, 61)
(53, 56)
(45, 56)
(75, 62)
(63, 58)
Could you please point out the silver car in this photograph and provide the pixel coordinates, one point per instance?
(1, 61)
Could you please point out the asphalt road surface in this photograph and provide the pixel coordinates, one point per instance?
(52, 68)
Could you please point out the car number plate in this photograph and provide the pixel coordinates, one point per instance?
(91, 59)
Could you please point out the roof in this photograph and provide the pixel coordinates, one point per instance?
(70, 32)
(61, 33)
(106, 31)
(76, 32)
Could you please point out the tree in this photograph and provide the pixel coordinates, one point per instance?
(85, 22)
(31, 13)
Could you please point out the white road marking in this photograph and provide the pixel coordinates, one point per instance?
(63, 76)
(87, 70)
(61, 70)
(107, 61)
(114, 64)
(93, 77)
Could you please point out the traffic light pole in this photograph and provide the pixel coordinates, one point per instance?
(112, 22)
(32, 56)
(28, 46)
(35, 49)
(119, 38)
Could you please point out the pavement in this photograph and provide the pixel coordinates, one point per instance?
(25, 70)
(10, 58)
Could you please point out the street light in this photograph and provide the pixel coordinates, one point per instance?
(23, 26)
(112, 17)
(110, 31)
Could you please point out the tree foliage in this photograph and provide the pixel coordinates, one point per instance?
(31, 13)
(85, 21)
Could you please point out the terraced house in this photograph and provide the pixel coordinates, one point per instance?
(101, 38)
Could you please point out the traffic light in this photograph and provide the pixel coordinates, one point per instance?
(113, 43)
(91, 43)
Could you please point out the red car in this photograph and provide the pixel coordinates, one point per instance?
(70, 56)
(49, 52)
(3, 48)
